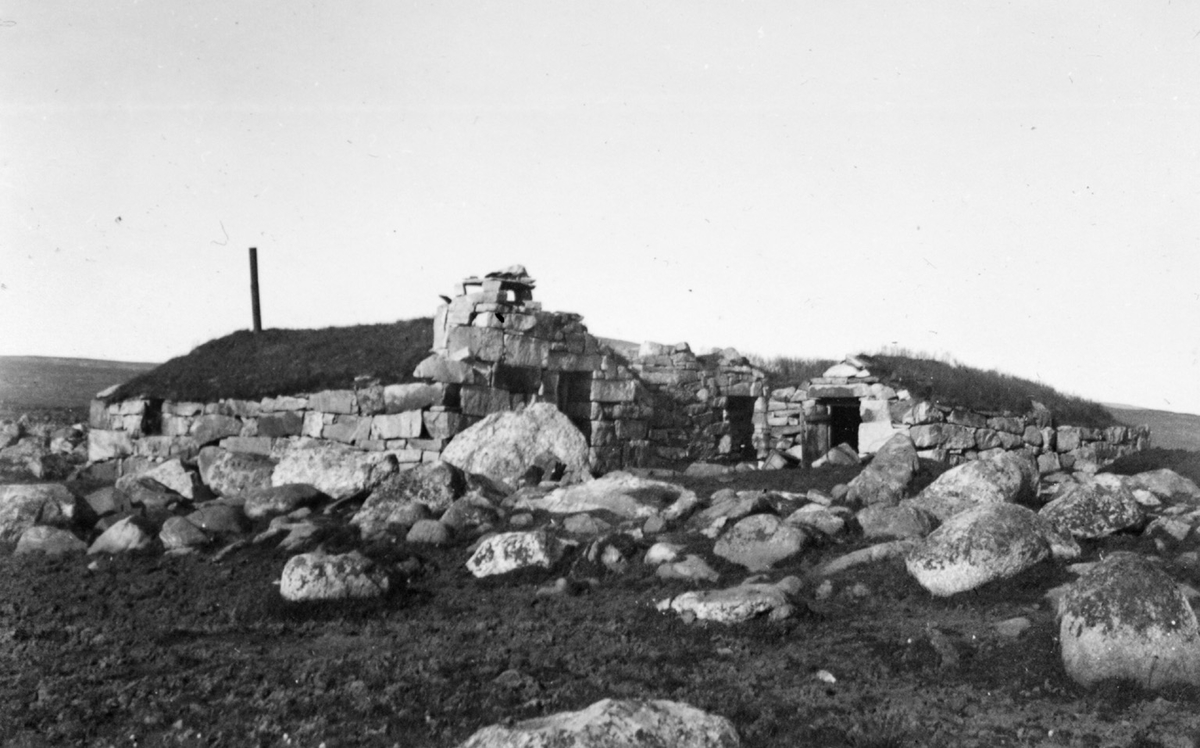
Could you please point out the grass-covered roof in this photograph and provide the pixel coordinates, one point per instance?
(248, 366)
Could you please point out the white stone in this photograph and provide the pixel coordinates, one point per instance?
(618, 492)
(732, 605)
(125, 535)
(319, 576)
(662, 552)
(108, 445)
(509, 551)
(614, 724)
(175, 476)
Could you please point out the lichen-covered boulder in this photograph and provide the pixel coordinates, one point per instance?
(1094, 508)
(234, 473)
(1127, 619)
(760, 541)
(885, 479)
(980, 545)
(614, 724)
(435, 485)
(1005, 477)
(334, 469)
(510, 551)
(1167, 485)
(504, 445)
(320, 576)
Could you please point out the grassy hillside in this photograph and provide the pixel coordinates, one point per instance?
(1167, 430)
(247, 366)
(35, 383)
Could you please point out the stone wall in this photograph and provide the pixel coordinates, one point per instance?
(796, 420)
(495, 349)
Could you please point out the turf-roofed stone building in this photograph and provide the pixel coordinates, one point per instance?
(494, 349)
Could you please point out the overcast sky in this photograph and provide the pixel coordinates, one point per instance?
(1016, 185)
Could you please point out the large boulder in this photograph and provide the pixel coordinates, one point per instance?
(1094, 508)
(174, 476)
(436, 485)
(1126, 619)
(334, 469)
(24, 505)
(1005, 477)
(510, 551)
(621, 493)
(760, 541)
(885, 480)
(504, 445)
(1167, 485)
(614, 724)
(988, 542)
(319, 576)
(234, 473)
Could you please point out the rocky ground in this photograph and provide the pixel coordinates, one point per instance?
(147, 649)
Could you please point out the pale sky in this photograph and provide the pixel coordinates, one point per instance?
(1016, 185)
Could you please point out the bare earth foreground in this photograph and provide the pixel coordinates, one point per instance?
(151, 650)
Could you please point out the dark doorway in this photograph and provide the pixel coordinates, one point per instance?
(844, 420)
(575, 399)
(739, 414)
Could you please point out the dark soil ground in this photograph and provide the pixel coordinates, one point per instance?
(147, 650)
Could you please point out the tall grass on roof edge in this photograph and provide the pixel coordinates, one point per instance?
(951, 384)
(249, 366)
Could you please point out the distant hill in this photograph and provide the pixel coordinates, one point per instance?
(1167, 430)
(35, 383)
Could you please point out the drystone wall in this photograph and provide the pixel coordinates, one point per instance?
(495, 349)
(798, 422)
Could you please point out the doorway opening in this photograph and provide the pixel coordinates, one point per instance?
(739, 414)
(844, 420)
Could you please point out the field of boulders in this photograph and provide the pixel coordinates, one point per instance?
(224, 601)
